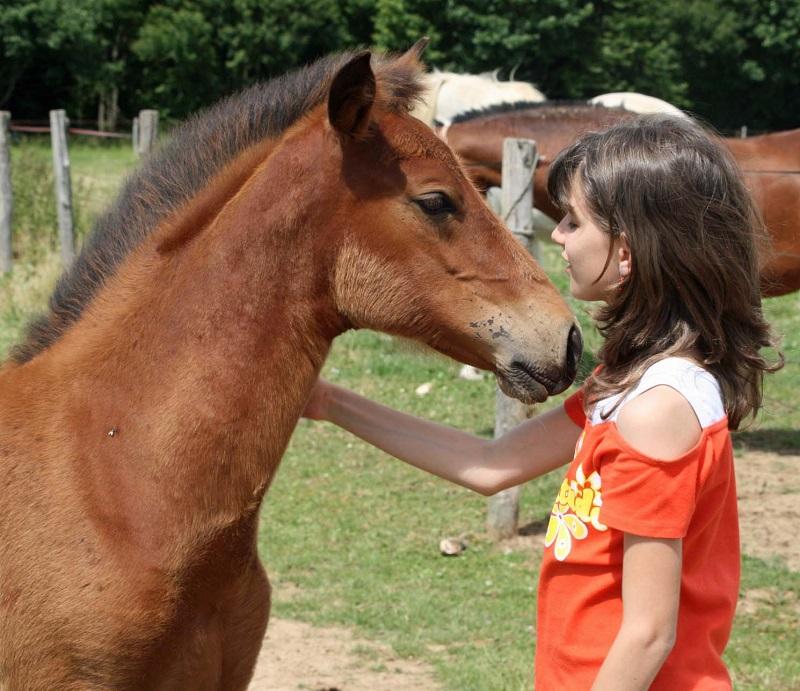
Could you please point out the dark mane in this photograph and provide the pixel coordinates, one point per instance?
(501, 108)
(180, 168)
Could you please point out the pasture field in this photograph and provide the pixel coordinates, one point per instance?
(350, 537)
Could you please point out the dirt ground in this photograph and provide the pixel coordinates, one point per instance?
(296, 655)
(300, 656)
(768, 487)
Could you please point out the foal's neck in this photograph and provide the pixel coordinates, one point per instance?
(200, 358)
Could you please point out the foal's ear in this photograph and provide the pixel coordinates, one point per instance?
(415, 52)
(351, 96)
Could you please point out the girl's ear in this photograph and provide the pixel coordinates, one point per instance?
(624, 256)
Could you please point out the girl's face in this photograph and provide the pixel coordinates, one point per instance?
(585, 248)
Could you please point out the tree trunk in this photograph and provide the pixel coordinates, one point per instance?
(108, 110)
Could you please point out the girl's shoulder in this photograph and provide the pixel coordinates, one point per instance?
(694, 383)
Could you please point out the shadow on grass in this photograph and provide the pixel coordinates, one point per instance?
(536, 527)
(781, 441)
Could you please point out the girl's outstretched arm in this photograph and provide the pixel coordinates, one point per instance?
(483, 465)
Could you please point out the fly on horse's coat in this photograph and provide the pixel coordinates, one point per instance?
(144, 417)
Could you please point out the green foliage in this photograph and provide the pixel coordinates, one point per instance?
(639, 50)
(733, 63)
(17, 40)
(176, 47)
(263, 39)
(543, 42)
(770, 62)
(399, 23)
(58, 54)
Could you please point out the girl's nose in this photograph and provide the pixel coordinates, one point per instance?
(557, 236)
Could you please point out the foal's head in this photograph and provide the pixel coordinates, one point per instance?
(420, 254)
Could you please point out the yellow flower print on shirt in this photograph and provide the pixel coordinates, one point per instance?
(577, 504)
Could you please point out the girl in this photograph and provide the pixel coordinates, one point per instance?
(640, 572)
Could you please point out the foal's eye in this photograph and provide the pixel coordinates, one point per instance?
(435, 204)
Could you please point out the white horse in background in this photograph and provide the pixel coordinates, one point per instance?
(447, 94)
(636, 103)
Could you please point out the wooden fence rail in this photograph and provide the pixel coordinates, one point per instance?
(41, 129)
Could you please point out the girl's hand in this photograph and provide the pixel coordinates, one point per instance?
(317, 405)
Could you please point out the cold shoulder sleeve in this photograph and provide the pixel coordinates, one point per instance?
(645, 496)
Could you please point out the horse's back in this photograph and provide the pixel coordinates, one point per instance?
(447, 94)
(636, 103)
(463, 92)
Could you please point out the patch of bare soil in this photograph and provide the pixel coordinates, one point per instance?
(296, 655)
(768, 488)
(784, 602)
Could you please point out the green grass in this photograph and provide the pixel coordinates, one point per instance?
(351, 537)
(764, 645)
(358, 533)
(97, 172)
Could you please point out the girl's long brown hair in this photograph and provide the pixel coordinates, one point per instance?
(692, 228)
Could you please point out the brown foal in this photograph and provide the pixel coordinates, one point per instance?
(144, 418)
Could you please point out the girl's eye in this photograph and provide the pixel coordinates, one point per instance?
(435, 204)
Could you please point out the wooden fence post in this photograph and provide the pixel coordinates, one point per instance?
(516, 203)
(6, 200)
(63, 182)
(135, 136)
(148, 131)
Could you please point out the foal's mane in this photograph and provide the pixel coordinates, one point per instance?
(545, 108)
(195, 152)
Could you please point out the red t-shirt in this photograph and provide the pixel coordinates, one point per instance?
(611, 488)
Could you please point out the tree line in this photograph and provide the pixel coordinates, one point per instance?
(733, 62)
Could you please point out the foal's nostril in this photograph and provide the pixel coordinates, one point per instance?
(574, 350)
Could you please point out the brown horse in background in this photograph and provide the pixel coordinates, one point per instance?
(770, 163)
(776, 152)
(477, 137)
(144, 418)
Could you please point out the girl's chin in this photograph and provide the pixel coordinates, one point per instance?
(584, 295)
(575, 290)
